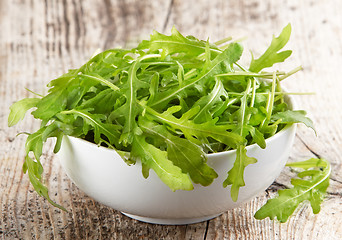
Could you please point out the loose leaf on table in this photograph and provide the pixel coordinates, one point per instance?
(311, 185)
(312, 162)
(156, 159)
(272, 54)
(183, 153)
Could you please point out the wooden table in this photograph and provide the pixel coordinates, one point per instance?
(39, 40)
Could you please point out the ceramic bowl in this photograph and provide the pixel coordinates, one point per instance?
(103, 175)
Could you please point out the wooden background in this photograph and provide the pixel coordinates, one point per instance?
(39, 40)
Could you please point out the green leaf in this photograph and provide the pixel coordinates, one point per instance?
(34, 143)
(228, 56)
(311, 185)
(51, 104)
(236, 174)
(156, 159)
(183, 153)
(257, 136)
(191, 159)
(131, 108)
(34, 168)
(312, 162)
(95, 121)
(196, 133)
(293, 116)
(100, 103)
(211, 103)
(272, 54)
(154, 86)
(59, 138)
(35, 179)
(241, 113)
(99, 79)
(19, 109)
(62, 81)
(176, 43)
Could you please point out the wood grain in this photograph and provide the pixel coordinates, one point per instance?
(39, 40)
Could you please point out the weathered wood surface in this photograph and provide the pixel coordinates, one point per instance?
(40, 40)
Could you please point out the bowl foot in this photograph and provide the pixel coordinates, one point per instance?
(171, 221)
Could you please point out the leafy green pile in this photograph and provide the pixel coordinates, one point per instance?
(310, 185)
(169, 102)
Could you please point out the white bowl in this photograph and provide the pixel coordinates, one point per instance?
(103, 175)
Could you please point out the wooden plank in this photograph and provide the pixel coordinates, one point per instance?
(39, 40)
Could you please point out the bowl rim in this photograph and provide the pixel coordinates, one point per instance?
(289, 99)
(267, 140)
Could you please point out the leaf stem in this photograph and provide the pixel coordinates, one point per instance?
(270, 109)
(251, 74)
(276, 93)
(297, 69)
(37, 94)
(243, 106)
(102, 80)
(222, 41)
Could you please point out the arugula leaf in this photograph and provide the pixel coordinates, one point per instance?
(39, 187)
(311, 185)
(154, 86)
(34, 141)
(176, 43)
(257, 136)
(152, 157)
(211, 103)
(100, 79)
(100, 102)
(272, 54)
(131, 107)
(310, 163)
(293, 116)
(51, 104)
(94, 120)
(19, 109)
(196, 133)
(34, 168)
(229, 56)
(183, 153)
(236, 174)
